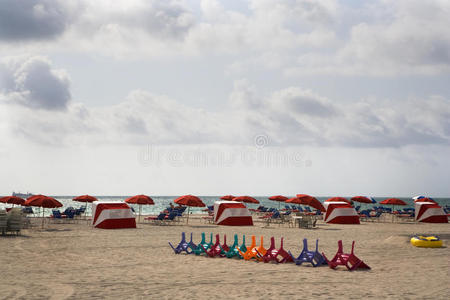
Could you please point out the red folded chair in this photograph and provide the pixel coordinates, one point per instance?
(349, 260)
(215, 250)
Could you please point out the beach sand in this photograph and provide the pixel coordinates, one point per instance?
(75, 261)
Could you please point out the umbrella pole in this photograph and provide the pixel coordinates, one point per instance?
(187, 222)
(42, 218)
(139, 220)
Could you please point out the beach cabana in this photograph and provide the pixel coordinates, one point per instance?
(232, 213)
(112, 215)
(429, 212)
(340, 213)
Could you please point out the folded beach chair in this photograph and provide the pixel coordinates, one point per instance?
(276, 255)
(349, 260)
(202, 246)
(242, 247)
(270, 253)
(217, 249)
(314, 257)
(233, 249)
(184, 246)
(224, 246)
(248, 253)
(253, 251)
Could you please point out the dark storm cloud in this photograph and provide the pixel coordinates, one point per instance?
(32, 19)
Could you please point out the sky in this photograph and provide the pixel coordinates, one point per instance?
(263, 97)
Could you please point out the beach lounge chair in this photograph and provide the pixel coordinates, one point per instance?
(56, 215)
(14, 222)
(202, 246)
(343, 259)
(27, 210)
(314, 257)
(156, 220)
(184, 245)
(3, 221)
(171, 218)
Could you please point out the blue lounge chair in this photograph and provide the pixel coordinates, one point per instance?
(184, 246)
(171, 218)
(157, 220)
(314, 257)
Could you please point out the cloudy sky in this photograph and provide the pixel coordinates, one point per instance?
(214, 97)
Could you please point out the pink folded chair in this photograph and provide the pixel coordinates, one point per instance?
(277, 255)
(349, 260)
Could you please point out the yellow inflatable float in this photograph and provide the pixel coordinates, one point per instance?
(426, 241)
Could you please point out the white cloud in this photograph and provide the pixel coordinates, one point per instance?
(406, 37)
(37, 98)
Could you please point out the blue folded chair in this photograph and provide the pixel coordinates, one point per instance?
(184, 245)
(314, 257)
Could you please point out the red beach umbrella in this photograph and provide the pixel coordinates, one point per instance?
(141, 200)
(189, 200)
(307, 200)
(246, 199)
(278, 198)
(361, 199)
(85, 198)
(227, 197)
(415, 201)
(337, 199)
(393, 201)
(12, 200)
(44, 202)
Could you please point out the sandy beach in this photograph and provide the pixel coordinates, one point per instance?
(75, 261)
